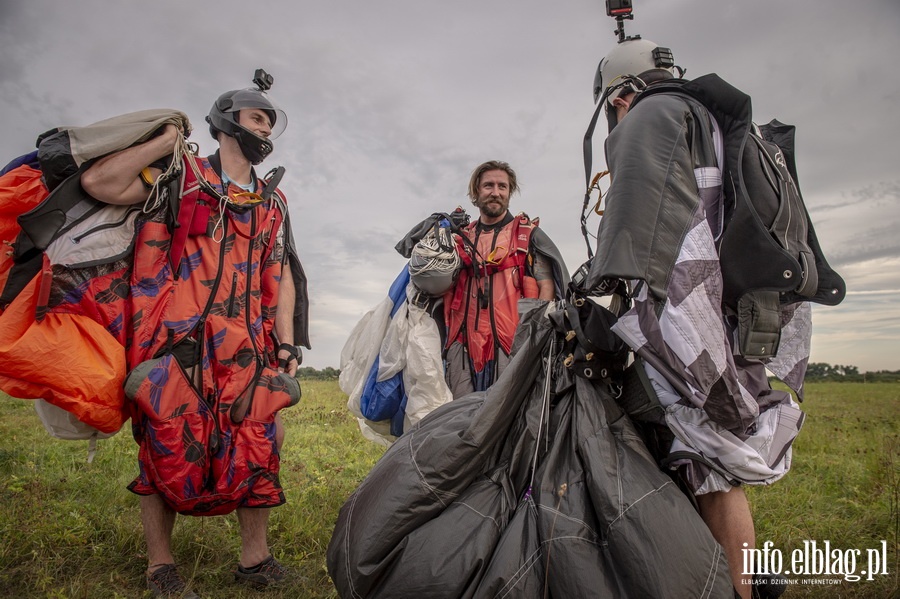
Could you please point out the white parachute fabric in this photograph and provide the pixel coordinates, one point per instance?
(391, 366)
(63, 424)
(426, 387)
(360, 350)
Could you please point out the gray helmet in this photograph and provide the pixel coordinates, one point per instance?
(432, 281)
(631, 66)
(434, 262)
(223, 117)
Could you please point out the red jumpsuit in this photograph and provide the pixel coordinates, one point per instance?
(206, 432)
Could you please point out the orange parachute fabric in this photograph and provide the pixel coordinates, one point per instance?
(21, 189)
(70, 360)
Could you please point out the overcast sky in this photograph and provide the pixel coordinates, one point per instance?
(392, 103)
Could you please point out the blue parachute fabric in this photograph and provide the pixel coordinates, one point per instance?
(485, 378)
(399, 417)
(397, 292)
(30, 159)
(383, 400)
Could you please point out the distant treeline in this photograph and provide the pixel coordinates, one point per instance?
(818, 372)
(311, 374)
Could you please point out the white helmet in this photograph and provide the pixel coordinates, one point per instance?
(631, 66)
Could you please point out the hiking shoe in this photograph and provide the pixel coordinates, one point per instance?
(768, 586)
(166, 582)
(266, 574)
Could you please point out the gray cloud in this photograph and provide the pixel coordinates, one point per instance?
(392, 103)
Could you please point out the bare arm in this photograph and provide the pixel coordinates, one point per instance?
(284, 317)
(543, 274)
(546, 289)
(114, 179)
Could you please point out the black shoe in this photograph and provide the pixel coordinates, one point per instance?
(266, 574)
(167, 583)
(768, 586)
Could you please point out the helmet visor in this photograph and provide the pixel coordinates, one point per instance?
(253, 98)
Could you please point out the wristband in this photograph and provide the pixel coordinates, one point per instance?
(291, 349)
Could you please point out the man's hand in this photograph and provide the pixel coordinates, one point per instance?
(114, 179)
(288, 358)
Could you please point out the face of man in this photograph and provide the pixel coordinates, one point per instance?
(256, 120)
(493, 196)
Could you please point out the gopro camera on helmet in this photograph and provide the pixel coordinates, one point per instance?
(615, 8)
(620, 10)
(263, 80)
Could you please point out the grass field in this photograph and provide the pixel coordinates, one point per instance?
(70, 529)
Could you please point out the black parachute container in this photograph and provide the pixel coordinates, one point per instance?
(539, 487)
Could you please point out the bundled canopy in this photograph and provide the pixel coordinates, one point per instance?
(538, 487)
(391, 366)
(67, 358)
(62, 325)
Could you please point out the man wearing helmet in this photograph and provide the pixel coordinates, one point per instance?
(721, 424)
(504, 258)
(218, 301)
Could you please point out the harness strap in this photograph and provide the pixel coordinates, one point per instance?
(278, 210)
(468, 253)
(191, 190)
(190, 193)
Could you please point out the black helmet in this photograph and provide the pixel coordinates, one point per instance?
(223, 117)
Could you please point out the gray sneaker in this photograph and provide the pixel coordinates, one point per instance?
(266, 574)
(167, 583)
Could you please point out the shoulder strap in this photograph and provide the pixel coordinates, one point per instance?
(279, 217)
(521, 233)
(190, 192)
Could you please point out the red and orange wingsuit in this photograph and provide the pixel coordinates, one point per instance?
(206, 433)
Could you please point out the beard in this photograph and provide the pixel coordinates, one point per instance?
(491, 208)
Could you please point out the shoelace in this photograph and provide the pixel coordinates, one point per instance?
(168, 580)
(268, 568)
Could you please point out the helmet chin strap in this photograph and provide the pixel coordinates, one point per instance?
(253, 147)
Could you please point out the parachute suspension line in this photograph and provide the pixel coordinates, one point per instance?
(188, 151)
(437, 255)
(588, 154)
(586, 150)
(181, 148)
(595, 184)
(545, 408)
(560, 493)
(585, 211)
(219, 229)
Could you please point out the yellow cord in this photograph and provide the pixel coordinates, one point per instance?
(595, 184)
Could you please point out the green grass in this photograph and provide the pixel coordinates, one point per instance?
(71, 529)
(844, 483)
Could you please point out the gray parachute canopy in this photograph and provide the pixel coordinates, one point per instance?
(538, 487)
